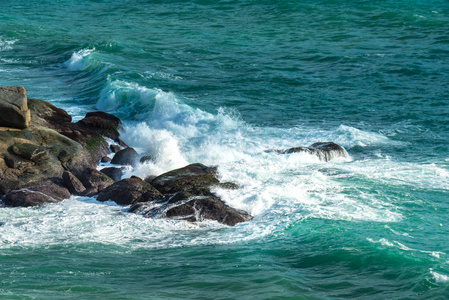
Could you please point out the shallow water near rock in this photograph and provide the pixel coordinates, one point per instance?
(222, 84)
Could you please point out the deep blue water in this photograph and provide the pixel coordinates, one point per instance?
(219, 83)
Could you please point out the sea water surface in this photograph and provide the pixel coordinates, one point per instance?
(219, 83)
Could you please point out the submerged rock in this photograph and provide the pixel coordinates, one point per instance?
(14, 110)
(196, 209)
(324, 150)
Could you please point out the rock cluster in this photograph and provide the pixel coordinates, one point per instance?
(45, 157)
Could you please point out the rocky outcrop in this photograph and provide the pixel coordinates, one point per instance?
(324, 150)
(187, 196)
(129, 191)
(50, 145)
(14, 107)
(46, 158)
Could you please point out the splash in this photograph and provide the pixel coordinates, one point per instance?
(79, 60)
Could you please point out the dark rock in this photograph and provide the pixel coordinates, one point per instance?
(103, 123)
(72, 183)
(14, 110)
(324, 150)
(146, 158)
(115, 148)
(195, 210)
(45, 114)
(126, 156)
(26, 198)
(37, 194)
(192, 176)
(113, 172)
(228, 185)
(105, 159)
(129, 191)
(94, 181)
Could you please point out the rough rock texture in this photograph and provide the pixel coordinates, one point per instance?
(187, 196)
(194, 210)
(72, 183)
(103, 123)
(324, 150)
(126, 156)
(129, 191)
(51, 145)
(13, 107)
(190, 177)
(37, 194)
(94, 181)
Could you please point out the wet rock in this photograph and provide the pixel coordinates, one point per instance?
(126, 156)
(72, 183)
(195, 210)
(26, 198)
(129, 191)
(94, 181)
(115, 148)
(105, 159)
(14, 110)
(113, 172)
(146, 158)
(192, 176)
(325, 151)
(103, 123)
(37, 194)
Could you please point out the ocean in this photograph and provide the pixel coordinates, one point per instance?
(220, 83)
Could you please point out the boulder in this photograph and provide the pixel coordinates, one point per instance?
(72, 183)
(94, 181)
(195, 210)
(113, 172)
(105, 159)
(126, 156)
(37, 194)
(129, 191)
(115, 148)
(27, 198)
(14, 110)
(194, 176)
(325, 151)
(103, 123)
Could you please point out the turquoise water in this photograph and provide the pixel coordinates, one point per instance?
(220, 83)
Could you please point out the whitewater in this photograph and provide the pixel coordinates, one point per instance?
(224, 84)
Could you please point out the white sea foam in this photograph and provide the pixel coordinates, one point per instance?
(439, 278)
(79, 60)
(6, 44)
